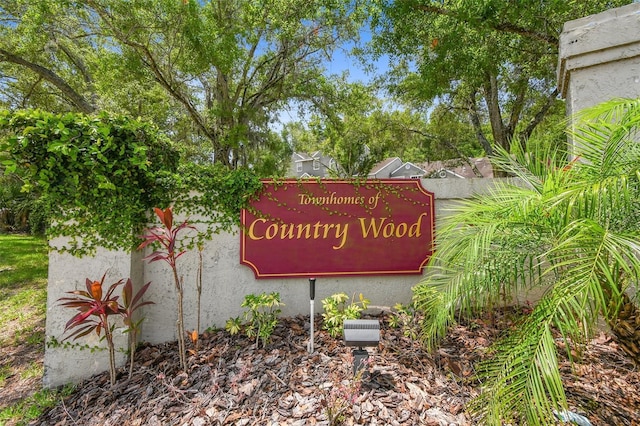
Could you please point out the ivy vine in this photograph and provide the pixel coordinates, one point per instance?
(99, 176)
(216, 194)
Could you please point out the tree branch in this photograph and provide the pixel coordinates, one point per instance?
(80, 65)
(491, 95)
(164, 79)
(69, 92)
(526, 133)
(477, 126)
(506, 27)
(518, 105)
(462, 157)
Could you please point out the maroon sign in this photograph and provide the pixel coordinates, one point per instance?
(338, 228)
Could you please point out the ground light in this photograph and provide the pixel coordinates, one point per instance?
(312, 296)
(361, 333)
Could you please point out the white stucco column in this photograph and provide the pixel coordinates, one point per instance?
(600, 58)
(67, 273)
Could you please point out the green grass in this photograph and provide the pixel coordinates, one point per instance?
(32, 407)
(23, 288)
(34, 369)
(23, 297)
(26, 257)
(5, 371)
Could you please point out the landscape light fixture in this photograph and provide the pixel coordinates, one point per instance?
(312, 296)
(361, 333)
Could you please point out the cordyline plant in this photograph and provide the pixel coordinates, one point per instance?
(130, 304)
(167, 237)
(95, 308)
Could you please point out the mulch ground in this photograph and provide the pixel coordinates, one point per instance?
(231, 382)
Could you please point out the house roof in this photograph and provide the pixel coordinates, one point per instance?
(303, 156)
(378, 167)
(409, 165)
(300, 156)
(461, 168)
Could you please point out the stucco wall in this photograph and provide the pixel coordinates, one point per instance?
(68, 273)
(600, 58)
(225, 283)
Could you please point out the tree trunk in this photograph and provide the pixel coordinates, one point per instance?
(182, 352)
(112, 354)
(180, 324)
(626, 328)
(477, 125)
(133, 343)
(491, 96)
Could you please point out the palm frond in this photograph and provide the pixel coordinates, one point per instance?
(486, 254)
(531, 166)
(606, 137)
(606, 261)
(522, 380)
(571, 229)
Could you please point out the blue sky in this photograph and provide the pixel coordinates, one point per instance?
(341, 62)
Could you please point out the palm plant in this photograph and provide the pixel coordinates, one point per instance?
(568, 229)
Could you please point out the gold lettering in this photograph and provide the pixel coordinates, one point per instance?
(290, 231)
(272, 231)
(341, 233)
(304, 199)
(381, 227)
(251, 232)
(306, 228)
(388, 230)
(415, 229)
(332, 199)
(286, 231)
(372, 227)
(401, 230)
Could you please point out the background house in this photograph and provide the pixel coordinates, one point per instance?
(305, 165)
(316, 164)
(459, 168)
(395, 168)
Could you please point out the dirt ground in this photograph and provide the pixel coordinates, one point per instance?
(21, 359)
(231, 382)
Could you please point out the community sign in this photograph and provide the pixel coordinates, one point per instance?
(338, 228)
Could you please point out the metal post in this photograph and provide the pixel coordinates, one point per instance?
(312, 296)
(360, 357)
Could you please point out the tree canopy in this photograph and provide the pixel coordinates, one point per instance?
(213, 74)
(494, 59)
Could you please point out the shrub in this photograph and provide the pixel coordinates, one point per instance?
(166, 236)
(406, 318)
(336, 310)
(261, 317)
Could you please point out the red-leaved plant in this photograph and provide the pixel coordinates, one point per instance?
(167, 237)
(130, 304)
(95, 308)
